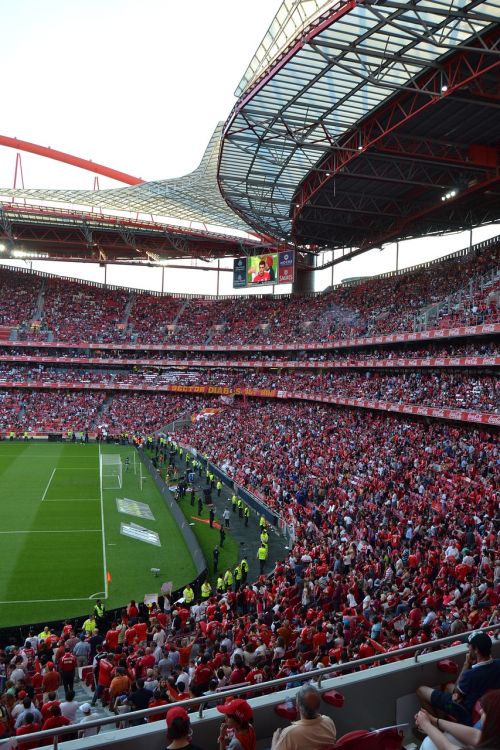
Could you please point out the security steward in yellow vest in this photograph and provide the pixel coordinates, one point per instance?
(246, 513)
(99, 610)
(234, 502)
(219, 488)
(228, 580)
(206, 590)
(188, 595)
(220, 584)
(237, 577)
(264, 537)
(240, 507)
(262, 557)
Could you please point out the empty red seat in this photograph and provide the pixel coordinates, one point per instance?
(89, 677)
(333, 698)
(448, 666)
(362, 739)
(287, 710)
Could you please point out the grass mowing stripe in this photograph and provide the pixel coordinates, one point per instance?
(52, 531)
(104, 564)
(49, 577)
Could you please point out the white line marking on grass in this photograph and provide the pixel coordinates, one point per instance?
(104, 564)
(98, 595)
(48, 484)
(53, 531)
(76, 468)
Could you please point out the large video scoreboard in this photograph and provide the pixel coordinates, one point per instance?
(265, 269)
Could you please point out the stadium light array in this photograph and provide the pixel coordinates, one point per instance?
(449, 195)
(26, 254)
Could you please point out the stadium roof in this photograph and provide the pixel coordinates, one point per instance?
(355, 130)
(195, 197)
(348, 132)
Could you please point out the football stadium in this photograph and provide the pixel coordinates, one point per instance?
(249, 460)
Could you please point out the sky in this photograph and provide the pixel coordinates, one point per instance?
(139, 87)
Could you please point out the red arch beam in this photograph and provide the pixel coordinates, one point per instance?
(75, 161)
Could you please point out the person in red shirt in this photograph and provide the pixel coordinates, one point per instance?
(47, 706)
(28, 727)
(132, 610)
(141, 630)
(55, 720)
(103, 678)
(112, 637)
(202, 675)
(160, 698)
(130, 635)
(51, 680)
(67, 668)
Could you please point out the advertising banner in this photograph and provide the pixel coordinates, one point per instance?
(240, 273)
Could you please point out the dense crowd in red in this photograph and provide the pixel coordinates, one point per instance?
(452, 389)
(82, 312)
(393, 529)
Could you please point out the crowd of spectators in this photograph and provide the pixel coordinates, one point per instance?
(454, 389)
(18, 296)
(150, 317)
(74, 312)
(54, 411)
(394, 530)
(144, 413)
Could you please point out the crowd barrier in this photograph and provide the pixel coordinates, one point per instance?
(316, 364)
(487, 329)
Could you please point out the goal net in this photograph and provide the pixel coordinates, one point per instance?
(111, 471)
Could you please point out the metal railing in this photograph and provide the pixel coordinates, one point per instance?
(201, 703)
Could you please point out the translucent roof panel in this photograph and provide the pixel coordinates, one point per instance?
(292, 17)
(346, 61)
(195, 197)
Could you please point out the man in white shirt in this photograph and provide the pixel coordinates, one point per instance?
(86, 710)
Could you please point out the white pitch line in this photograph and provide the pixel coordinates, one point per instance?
(52, 531)
(104, 563)
(48, 484)
(76, 468)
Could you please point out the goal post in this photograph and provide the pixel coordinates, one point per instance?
(111, 471)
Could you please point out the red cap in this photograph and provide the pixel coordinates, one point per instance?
(238, 708)
(50, 664)
(22, 694)
(176, 713)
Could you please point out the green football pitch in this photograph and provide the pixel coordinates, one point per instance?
(61, 545)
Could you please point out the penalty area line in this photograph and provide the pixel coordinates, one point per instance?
(48, 484)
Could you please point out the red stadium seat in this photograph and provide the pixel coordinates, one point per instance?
(287, 710)
(448, 666)
(384, 739)
(334, 698)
